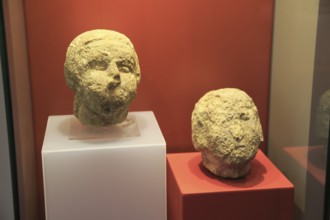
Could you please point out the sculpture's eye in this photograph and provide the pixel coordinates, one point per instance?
(125, 66)
(244, 116)
(124, 69)
(98, 64)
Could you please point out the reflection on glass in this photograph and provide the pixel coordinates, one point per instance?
(300, 101)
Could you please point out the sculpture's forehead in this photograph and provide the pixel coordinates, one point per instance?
(101, 35)
(110, 47)
(228, 106)
(221, 103)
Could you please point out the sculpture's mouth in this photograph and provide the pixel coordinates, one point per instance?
(106, 109)
(105, 104)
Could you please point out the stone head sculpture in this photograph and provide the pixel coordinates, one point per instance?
(103, 69)
(227, 131)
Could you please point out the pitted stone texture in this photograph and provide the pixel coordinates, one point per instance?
(103, 69)
(227, 130)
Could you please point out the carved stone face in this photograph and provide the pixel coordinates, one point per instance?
(227, 130)
(103, 70)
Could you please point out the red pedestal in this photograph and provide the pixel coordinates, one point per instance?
(195, 194)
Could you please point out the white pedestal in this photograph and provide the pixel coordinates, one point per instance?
(112, 177)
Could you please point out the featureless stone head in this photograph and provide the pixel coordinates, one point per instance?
(102, 68)
(227, 130)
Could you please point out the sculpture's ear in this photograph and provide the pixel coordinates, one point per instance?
(138, 76)
(261, 133)
(137, 69)
(68, 77)
(72, 79)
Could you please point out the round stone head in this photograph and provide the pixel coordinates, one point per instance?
(102, 68)
(227, 130)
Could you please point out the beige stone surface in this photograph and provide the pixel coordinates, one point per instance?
(103, 69)
(227, 130)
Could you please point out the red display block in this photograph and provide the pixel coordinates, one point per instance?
(193, 193)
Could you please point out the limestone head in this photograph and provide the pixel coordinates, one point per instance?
(103, 70)
(227, 130)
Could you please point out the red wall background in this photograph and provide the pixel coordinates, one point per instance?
(185, 48)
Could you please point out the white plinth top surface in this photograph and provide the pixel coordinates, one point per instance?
(58, 131)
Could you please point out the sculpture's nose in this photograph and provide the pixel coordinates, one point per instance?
(237, 132)
(115, 79)
(114, 82)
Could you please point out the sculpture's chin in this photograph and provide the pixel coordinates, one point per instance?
(103, 115)
(109, 108)
(220, 168)
(105, 103)
(108, 111)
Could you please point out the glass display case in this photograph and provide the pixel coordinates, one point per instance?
(8, 186)
(299, 103)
